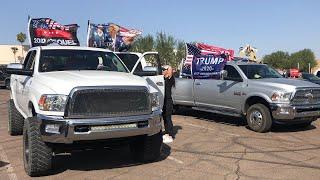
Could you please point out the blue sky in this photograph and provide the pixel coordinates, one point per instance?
(269, 25)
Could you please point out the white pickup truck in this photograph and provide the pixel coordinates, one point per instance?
(62, 96)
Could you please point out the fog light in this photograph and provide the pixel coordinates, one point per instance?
(53, 128)
(284, 110)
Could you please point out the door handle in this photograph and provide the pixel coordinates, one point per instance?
(198, 83)
(159, 83)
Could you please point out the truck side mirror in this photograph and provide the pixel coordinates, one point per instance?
(16, 68)
(147, 71)
(223, 74)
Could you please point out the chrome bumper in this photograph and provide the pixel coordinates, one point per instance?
(289, 112)
(112, 127)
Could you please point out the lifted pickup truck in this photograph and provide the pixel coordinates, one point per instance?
(66, 96)
(253, 90)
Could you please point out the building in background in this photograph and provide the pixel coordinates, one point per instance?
(7, 56)
(316, 68)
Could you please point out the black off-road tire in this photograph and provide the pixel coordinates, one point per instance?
(259, 118)
(37, 155)
(147, 149)
(15, 120)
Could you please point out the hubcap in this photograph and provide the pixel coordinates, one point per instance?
(256, 118)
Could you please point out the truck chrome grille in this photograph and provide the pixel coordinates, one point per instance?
(92, 102)
(306, 96)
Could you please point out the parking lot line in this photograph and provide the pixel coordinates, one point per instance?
(175, 160)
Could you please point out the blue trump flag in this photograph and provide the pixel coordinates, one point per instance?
(208, 66)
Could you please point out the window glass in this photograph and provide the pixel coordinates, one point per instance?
(232, 72)
(259, 71)
(63, 60)
(129, 60)
(30, 62)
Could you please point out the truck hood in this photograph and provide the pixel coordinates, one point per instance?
(283, 83)
(62, 82)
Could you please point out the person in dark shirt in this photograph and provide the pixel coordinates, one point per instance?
(169, 82)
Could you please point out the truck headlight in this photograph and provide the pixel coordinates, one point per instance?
(281, 97)
(155, 101)
(52, 102)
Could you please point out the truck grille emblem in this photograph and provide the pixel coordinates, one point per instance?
(309, 96)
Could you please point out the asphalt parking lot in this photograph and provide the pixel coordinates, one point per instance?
(207, 146)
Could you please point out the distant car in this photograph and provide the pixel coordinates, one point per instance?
(310, 77)
(318, 74)
(4, 79)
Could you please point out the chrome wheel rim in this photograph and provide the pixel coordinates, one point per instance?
(256, 118)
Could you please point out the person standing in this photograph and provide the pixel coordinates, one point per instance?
(169, 82)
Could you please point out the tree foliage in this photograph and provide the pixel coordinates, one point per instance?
(171, 51)
(303, 58)
(282, 60)
(277, 59)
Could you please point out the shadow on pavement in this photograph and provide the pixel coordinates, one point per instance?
(99, 159)
(211, 117)
(3, 163)
(237, 121)
(291, 128)
(176, 129)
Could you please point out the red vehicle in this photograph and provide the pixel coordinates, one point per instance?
(294, 73)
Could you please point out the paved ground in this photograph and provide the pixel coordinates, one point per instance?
(207, 146)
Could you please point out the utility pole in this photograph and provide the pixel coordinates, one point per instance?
(309, 68)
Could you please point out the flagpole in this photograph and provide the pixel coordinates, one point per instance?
(28, 30)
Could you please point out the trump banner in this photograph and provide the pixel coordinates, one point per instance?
(111, 36)
(45, 31)
(208, 66)
(204, 61)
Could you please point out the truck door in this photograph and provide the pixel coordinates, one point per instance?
(232, 89)
(225, 95)
(206, 93)
(136, 62)
(157, 81)
(23, 82)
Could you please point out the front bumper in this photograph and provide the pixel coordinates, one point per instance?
(71, 130)
(288, 112)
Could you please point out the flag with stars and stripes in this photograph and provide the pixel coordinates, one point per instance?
(46, 31)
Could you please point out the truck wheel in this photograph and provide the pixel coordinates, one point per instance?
(37, 155)
(259, 118)
(147, 149)
(15, 120)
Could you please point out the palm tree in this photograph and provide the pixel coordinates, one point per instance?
(21, 37)
(14, 51)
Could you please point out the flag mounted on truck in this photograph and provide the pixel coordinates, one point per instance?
(111, 36)
(45, 31)
(204, 61)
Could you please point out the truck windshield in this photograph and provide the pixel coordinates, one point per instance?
(259, 71)
(66, 59)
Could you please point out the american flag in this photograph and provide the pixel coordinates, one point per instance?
(192, 50)
(52, 24)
